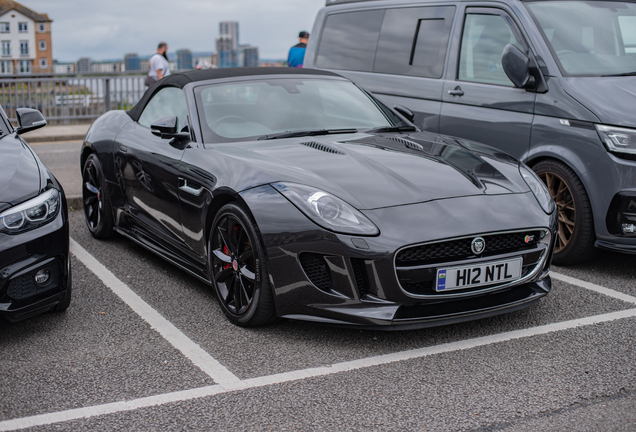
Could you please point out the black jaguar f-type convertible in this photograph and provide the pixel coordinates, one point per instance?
(296, 194)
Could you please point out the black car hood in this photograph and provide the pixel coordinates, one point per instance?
(19, 172)
(375, 171)
(611, 99)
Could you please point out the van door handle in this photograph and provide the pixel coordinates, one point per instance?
(123, 149)
(457, 91)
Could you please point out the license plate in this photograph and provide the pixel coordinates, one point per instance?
(462, 277)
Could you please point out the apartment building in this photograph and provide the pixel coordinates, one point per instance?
(25, 40)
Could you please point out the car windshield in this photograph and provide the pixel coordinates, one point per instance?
(278, 108)
(589, 38)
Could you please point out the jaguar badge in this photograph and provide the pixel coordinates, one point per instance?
(478, 245)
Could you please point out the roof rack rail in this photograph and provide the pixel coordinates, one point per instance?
(337, 2)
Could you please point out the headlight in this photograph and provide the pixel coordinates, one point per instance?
(31, 214)
(540, 190)
(616, 139)
(326, 210)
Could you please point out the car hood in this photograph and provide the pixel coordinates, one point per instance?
(611, 99)
(375, 171)
(19, 173)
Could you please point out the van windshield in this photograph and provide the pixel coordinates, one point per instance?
(589, 38)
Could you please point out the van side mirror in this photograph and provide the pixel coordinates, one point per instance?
(166, 128)
(405, 112)
(28, 120)
(516, 64)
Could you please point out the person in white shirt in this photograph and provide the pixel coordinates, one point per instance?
(159, 66)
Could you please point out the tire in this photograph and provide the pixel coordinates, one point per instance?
(64, 304)
(97, 208)
(576, 236)
(237, 267)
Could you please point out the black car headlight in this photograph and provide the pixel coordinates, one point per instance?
(538, 188)
(327, 210)
(31, 214)
(618, 139)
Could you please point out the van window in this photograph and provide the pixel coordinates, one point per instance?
(413, 41)
(349, 41)
(589, 38)
(483, 41)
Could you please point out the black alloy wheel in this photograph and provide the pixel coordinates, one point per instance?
(97, 209)
(237, 266)
(575, 238)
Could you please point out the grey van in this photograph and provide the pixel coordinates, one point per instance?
(552, 83)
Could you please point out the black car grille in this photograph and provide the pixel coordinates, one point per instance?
(317, 271)
(417, 266)
(460, 249)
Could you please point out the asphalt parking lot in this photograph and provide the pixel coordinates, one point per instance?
(144, 346)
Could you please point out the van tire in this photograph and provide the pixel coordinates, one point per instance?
(576, 236)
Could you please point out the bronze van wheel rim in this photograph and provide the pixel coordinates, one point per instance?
(564, 200)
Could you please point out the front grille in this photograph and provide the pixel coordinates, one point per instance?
(24, 286)
(459, 249)
(417, 266)
(316, 269)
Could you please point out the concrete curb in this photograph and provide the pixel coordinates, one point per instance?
(53, 138)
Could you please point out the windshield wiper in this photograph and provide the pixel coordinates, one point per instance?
(621, 74)
(315, 132)
(391, 129)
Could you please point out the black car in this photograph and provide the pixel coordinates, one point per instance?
(35, 271)
(296, 194)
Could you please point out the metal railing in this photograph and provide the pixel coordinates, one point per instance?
(72, 99)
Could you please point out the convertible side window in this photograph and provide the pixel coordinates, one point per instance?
(168, 101)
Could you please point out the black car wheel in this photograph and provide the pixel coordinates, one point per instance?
(575, 239)
(97, 210)
(238, 268)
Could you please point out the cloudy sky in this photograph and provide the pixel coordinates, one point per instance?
(104, 30)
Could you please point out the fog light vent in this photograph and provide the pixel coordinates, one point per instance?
(42, 276)
(34, 282)
(317, 271)
(629, 228)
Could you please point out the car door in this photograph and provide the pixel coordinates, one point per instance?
(479, 102)
(148, 170)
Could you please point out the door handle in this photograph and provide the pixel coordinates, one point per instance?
(183, 185)
(123, 149)
(457, 91)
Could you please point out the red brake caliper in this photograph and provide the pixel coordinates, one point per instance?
(226, 252)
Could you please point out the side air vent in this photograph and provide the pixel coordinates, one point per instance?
(317, 271)
(410, 144)
(321, 147)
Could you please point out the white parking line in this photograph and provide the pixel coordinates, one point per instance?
(230, 383)
(204, 361)
(181, 396)
(593, 287)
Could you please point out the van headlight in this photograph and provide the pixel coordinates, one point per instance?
(538, 188)
(617, 139)
(326, 210)
(31, 214)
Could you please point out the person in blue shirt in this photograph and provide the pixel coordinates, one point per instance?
(296, 54)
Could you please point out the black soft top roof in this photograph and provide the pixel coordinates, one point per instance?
(182, 78)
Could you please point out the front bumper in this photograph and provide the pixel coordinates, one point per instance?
(22, 256)
(337, 279)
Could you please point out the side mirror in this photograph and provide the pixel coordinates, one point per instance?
(516, 65)
(405, 112)
(166, 128)
(28, 120)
